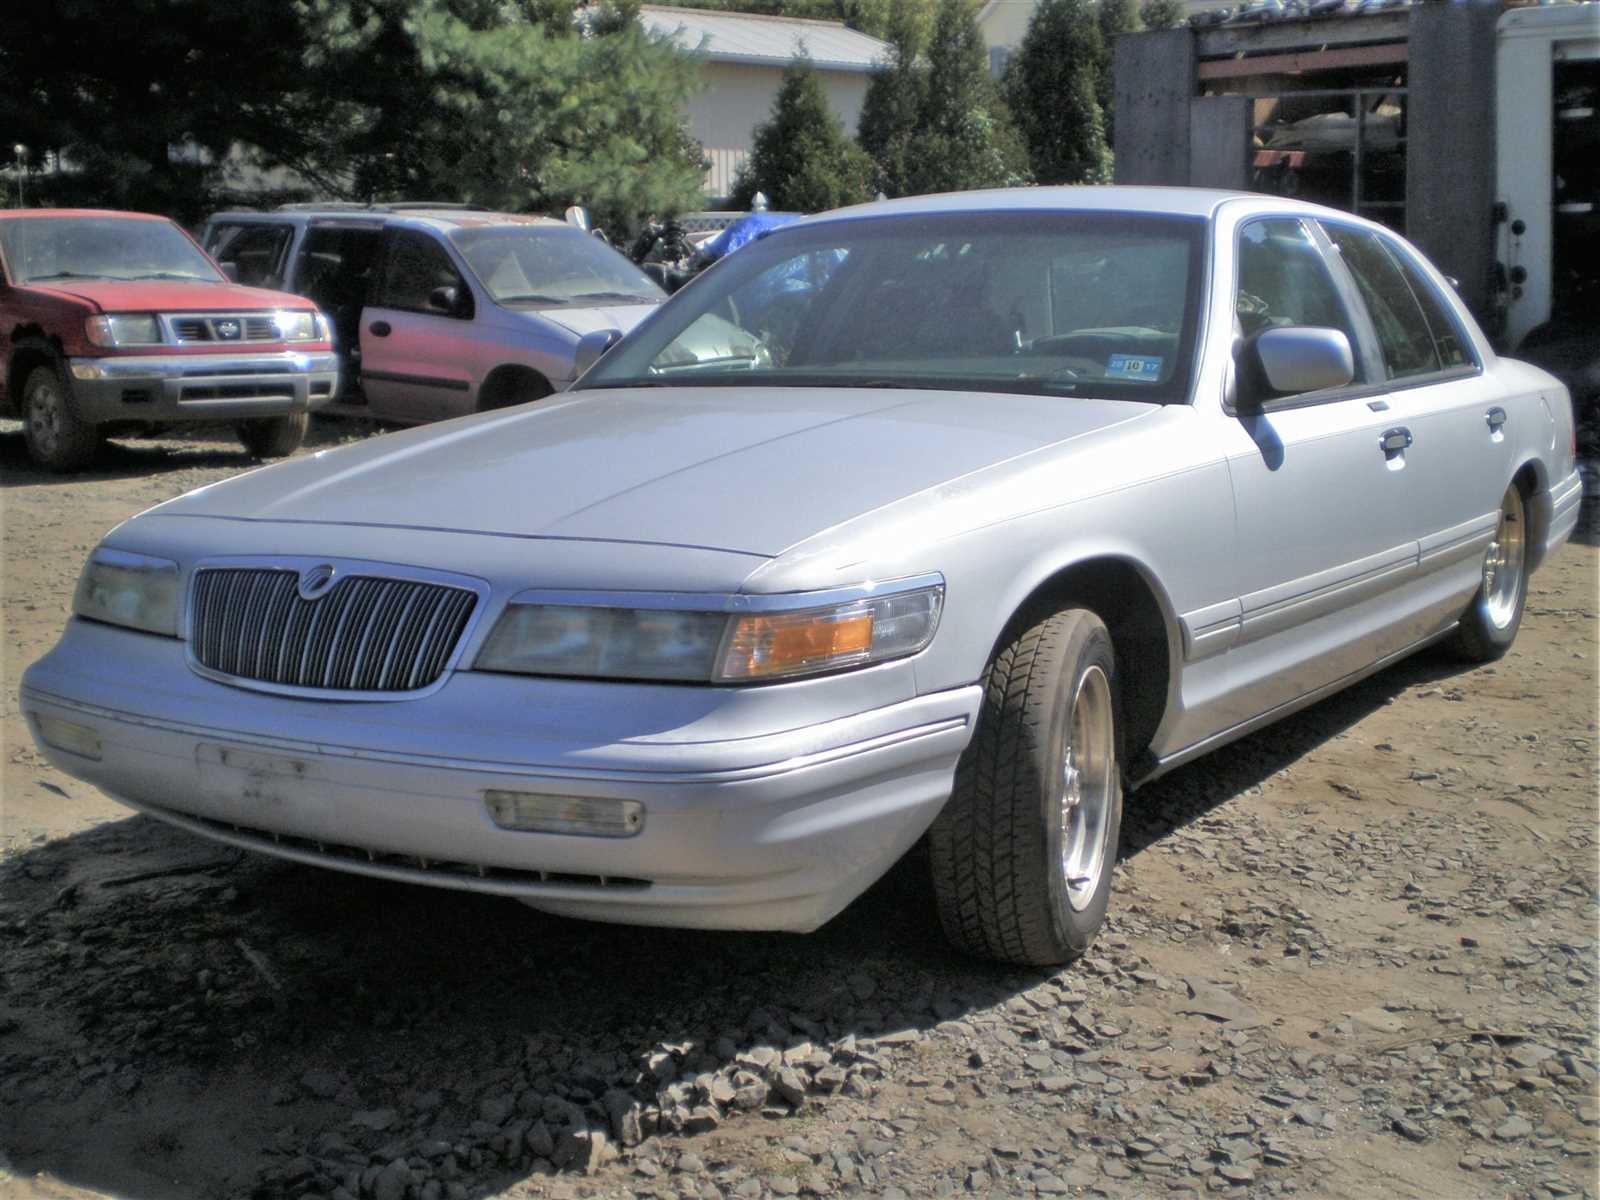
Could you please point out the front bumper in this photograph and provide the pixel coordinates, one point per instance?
(203, 387)
(766, 825)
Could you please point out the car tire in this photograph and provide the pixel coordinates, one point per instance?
(273, 437)
(1491, 621)
(1023, 852)
(57, 438)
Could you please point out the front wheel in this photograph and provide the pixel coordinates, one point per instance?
(56, 436)
(1022, 854)
(274, 437)
(1491, 621)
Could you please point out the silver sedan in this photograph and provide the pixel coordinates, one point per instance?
(983, 509)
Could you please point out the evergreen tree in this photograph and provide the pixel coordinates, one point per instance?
(1052, 85)
(802, 159)
(896, 95)
(1115, 18)
(962, 135)
(511, 103)
(1162, 14)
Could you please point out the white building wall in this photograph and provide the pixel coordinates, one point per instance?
(738, 97)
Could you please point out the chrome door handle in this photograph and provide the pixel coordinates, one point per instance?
(1395, 440)
(1496, 417)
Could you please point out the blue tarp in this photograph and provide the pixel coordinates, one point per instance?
(745, 229)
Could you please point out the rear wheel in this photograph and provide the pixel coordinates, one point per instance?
(274, 437)
(56, 436)
(1491, 621)
(1022, 854)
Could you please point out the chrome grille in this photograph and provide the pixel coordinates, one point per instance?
(366, 634)
(224, 327)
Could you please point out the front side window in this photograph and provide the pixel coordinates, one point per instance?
(1404, 335)
(44, 249)
(1068, 304)
(256, 251)
(1284, 280)
(417, 267)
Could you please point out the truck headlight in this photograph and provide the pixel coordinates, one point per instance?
(301, 325)
(139, 329)
(132, 590)
(605, 642)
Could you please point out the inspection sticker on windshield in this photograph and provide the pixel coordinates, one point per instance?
(1145, 369)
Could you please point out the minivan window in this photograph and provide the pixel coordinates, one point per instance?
(551, 266)
(416, 266)
(255, 250)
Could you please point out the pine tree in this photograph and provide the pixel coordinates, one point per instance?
(896, 95)
(962, 135)
(1052, 85)
(802, 158)
(1162, 14)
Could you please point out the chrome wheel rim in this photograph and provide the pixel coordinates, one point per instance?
(45, 417)
(1088, 782)
(1502, 562)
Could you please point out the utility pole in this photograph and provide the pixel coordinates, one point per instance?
(22, 172)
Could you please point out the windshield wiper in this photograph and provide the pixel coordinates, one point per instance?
(169, 275)
(532, 298)
(66, 275)
(626, 297)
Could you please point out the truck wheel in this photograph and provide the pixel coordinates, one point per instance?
(274, 437)
(57, 437)
(1023, 852)
(1491, 621)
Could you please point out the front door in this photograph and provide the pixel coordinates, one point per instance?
(1321, 483)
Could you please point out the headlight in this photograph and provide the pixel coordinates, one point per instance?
(140, 330)
(604, 642)
(301, 325)
(129, 589)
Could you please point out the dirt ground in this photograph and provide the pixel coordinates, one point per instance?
(1353, 955)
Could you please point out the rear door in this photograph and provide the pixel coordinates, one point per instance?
(416, 352)
(1460, 456)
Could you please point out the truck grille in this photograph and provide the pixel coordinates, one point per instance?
(365, 634)
(225, 327)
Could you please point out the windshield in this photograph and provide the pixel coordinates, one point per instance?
(1092, 304)
(41, 249)
(552, 267)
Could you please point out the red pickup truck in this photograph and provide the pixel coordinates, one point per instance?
(113, 322)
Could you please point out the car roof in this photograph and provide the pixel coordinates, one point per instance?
(1117, 198)
(444, 219)
(13, 214)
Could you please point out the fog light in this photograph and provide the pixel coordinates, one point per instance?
(64, 735)
(538, 813)
(89, 370)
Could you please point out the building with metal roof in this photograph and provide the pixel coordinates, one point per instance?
(743, 57)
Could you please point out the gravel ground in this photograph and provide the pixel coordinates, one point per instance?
(1353, 955)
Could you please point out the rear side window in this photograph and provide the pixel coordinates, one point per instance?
(255, 251)
(1405, 334)
(416, 266)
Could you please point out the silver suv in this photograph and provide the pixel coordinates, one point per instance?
(440, 310)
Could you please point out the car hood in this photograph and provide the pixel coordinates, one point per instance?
(749, 470)
(169, 295)
(621, 317)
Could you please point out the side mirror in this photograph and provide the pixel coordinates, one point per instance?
(444, 299)
(1293, 359)
(579, 216)
(591, 347)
